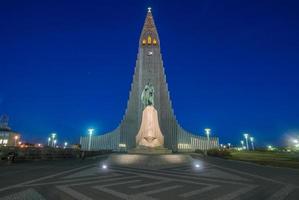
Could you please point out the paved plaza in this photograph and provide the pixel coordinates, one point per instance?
(85, 180)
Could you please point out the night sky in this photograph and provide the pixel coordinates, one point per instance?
(232, 66)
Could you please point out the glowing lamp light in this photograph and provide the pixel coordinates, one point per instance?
(197, 166)
(90, 131)
(270, 148)
(295, 141)
(104, 166)
(208, 131)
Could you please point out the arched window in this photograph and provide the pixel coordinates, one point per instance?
(144, 41)
(154, 41)
(149, 40)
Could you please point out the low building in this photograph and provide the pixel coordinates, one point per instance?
(8, 137)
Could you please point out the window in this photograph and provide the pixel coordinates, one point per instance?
(144, 41)
(1, 141)
(149, 40)
(5, 141)
(154, 41)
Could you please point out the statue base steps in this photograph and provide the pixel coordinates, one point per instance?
(150, 151)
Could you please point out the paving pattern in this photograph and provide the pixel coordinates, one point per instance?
(209, 181)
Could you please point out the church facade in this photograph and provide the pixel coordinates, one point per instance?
(149, 70)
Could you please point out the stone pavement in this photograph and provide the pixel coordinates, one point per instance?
(211, 180)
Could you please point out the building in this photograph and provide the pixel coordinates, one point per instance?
(8, 137)
(149, 69)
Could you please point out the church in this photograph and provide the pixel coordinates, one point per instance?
(149, 69)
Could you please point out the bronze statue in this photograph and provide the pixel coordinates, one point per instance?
(148, 94)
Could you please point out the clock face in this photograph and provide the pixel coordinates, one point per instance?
(149, 53)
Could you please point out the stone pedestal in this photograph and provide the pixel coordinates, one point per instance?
(149, 134)
(149, 150)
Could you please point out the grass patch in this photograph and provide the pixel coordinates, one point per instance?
(277, 159)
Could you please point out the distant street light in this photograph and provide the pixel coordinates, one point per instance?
(295, 141)
(246, 139)
(270, 148)
(90, 131)
(53, 139)
(252, 140)
(229, 145)
(65, 144)
(16, 138)
(208, 132)
(49, 140)
(242, 143)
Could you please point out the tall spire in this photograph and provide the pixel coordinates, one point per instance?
(149, 34)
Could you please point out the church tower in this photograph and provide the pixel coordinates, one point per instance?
(149, 70)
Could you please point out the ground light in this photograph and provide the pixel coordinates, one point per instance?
(197, 165)
(104, 166)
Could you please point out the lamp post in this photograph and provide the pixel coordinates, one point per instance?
(246, 139)
(90, 131)
(208, 132)
(65, 144)
(252, 140)
(53, 139)
(229, 145)
(242, 143)
(16, 138)
(49, 140)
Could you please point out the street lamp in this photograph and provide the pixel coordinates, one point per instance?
(246, 139)
(252, 140)
(208, 132)
(90, 131)
(65, 144)
(53, 137)
(49, 140)
(229, 145)
(16, 138)
(55, 141)
(242, 143)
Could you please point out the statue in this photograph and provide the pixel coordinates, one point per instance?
(149, 134)
(147, 95)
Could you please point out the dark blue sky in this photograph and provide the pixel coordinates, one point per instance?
(232, 66)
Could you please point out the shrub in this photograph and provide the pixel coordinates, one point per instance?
(199, 151)
(222, 153)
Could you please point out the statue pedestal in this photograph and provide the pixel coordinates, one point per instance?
(150, 151)
(149, 134)
(149, 139)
